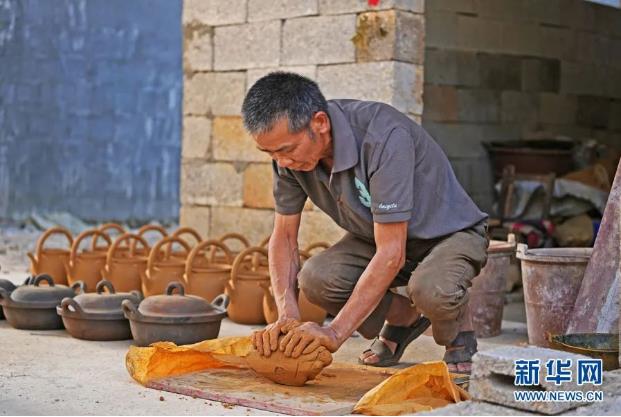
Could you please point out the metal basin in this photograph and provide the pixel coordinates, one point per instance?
(604, 346)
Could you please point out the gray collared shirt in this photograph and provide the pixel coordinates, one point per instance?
(386, 169)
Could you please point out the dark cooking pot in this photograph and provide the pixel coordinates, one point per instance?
(33, 307)
(177, 318)
(8, 286)
(98, 316)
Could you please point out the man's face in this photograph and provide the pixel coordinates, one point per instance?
(299, 151)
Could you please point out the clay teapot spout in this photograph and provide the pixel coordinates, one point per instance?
(34, 260)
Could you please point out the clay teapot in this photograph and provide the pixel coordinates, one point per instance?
(207, 278)
(123, 267)
(88, 265)
(51, 261)
(244, 290)
(106, 229)
(228, 237)
(152, 229)
(182, 232)
(163, 268)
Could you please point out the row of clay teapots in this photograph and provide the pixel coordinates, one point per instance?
(244, 288)
(204, 275)
(51, 261)
(308, 310)
(86, 265)
(163, 267)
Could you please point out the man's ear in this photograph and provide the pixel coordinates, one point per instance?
(321, 122)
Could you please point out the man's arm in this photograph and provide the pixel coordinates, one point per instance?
(389, 258)
(284, 264)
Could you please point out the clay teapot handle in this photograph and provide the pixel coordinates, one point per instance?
(130, 310)
(200, 247)
(166, 241)
(309, 248)
(43, 277)
(239, 260)
(235, 236)
(188, 231)
(265, 241)
(221, 301)
(84, 235)
(304, 255)
(79, 285)
(126, 237)
(67, 303)
(112, 226)
(50, 232)
(105, 284)
(152, 228)
(175, 285)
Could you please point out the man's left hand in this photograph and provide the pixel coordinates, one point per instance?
(307, 337)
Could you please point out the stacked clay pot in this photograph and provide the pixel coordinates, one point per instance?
(51, 261)
(86, 265)
(205, 273)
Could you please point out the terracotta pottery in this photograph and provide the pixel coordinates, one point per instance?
(246, 306)
(178, 318)
(317, 245)
(123, 267)
(51, 261)
(106, 229)
(150, 228)
(181, 233)
(308, 310)
(162, 268)
(265, 241)
(203, 278)
(270, 310)
(86, 266)
(97, 316)
(228, 237)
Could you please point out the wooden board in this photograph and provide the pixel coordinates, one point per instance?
(335, 391)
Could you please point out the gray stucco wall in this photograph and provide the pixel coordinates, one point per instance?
(90, 108)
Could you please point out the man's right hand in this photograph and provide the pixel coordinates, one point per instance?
(266, 341)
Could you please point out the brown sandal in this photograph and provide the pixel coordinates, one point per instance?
(461, 350)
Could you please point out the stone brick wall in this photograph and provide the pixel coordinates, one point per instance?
(503, 69)
(351, 49)
(90, 108)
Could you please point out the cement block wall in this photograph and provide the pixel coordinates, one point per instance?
(90, 108)
(503, 69)
(352, 49)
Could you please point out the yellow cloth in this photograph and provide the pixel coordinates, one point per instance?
(419, 388)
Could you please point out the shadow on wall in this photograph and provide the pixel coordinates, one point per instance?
(90, 108)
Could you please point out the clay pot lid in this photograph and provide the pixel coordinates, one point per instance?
(105, 302)
(500, 246)
(7, 285)
(34, 293)
(176, 305)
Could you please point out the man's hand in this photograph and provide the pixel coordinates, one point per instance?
(306, 337)
(266, 341)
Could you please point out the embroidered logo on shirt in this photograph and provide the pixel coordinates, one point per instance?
(387, 206)
(363, 193)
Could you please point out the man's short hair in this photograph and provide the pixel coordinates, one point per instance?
(282, 94)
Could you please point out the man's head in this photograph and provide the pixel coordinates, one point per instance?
(286, 114)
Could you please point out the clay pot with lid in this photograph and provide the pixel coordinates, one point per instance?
(33, 307)
(51, 261)
(8, 287)
(163, 268)
(124, 267)
(244, 287)
(98, 316)
(177, 318)
(86, 265)
(206, 277)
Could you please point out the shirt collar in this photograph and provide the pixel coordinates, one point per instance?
(344, 142)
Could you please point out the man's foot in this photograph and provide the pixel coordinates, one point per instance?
(387, 349)
(458, 355)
